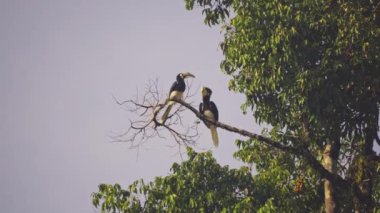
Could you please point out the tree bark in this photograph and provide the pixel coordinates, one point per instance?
(365, 170)
(298, 151)
(330, 159)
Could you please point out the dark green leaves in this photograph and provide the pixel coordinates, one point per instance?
(196, 185)
(310, 69)
(215, 12)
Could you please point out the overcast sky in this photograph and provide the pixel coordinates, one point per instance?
(60, 64)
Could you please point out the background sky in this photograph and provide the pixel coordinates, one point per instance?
(60, 64)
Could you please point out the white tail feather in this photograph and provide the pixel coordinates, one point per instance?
(214, 136)
(166, 113)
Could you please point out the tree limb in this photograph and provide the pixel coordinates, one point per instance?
(146, 126)
(298, 151)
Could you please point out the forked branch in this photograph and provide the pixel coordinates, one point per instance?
(146, 126)
(298, 151)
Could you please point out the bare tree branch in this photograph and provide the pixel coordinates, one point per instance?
(146, 126)
(298, 151)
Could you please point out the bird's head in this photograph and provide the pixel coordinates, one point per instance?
(205, 91)
(185, 75)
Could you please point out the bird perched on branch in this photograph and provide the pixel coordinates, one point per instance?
(210, 111)
(175, 93)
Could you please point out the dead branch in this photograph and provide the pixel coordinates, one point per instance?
(145, 126)
(299, 151)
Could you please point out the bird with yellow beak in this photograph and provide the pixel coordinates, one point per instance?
(210, 111)
(176, 93)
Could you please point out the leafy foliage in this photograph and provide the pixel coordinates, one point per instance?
(201, 185)
(196, 185)
(310, 69)
(293, 185)
(215, 11)
(311, 61)
(304, 61)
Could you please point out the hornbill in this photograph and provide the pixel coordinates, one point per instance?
(175, 93)
(209, 110)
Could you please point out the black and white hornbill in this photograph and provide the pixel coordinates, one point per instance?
(209, 110)
(175, 93)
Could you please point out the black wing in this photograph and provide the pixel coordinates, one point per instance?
(201, 109)
(174, 87)
(214, 110)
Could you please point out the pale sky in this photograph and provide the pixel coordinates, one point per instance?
(60, 64)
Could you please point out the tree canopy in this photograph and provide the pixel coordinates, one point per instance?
(309, 69)
(200, 184)
(193, 186)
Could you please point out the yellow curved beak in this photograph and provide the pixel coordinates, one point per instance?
(188, 75)
(203, 91)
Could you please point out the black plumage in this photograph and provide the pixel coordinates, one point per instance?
(175, 93)
(178, 85)
(208, 109)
